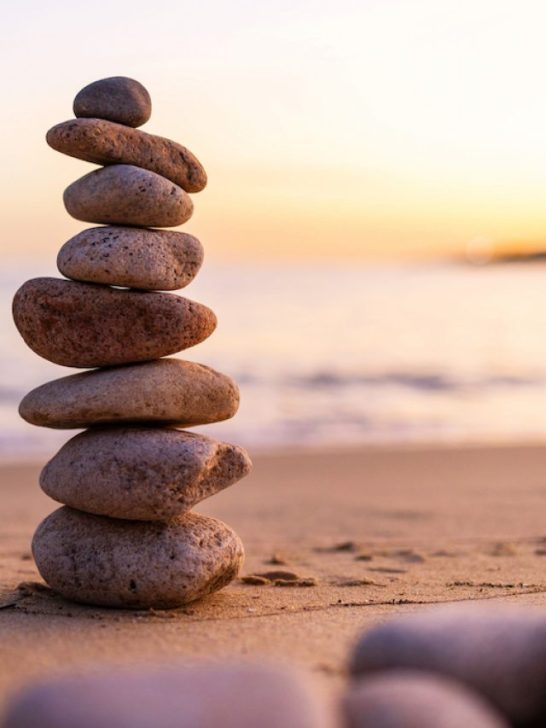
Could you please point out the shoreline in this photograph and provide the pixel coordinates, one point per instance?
(367, 531)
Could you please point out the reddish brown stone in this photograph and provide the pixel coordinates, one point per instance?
(87, 325)
(103, 142)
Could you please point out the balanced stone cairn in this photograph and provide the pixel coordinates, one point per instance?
(126, 536)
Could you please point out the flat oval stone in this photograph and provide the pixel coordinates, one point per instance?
(86, 325)
(135, 564)
(229, 695)
(500, 654)
(103, 142)
(398, 699)
(117, 98)
(161, 260)
(163, 392)
(125, 195)
(149, 474)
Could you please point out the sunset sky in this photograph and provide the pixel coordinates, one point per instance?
(377, 127)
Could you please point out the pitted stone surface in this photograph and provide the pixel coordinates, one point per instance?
(103, 142)
(87, 325)
(156, 260)
(163, 392)
(144, 474)
(135, 564)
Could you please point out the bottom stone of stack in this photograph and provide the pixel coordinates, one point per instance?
(135, 564)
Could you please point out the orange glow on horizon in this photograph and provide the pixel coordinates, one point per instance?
(365, 130)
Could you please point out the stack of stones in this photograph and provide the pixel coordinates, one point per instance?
(126, 536)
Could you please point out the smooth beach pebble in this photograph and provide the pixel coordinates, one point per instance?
(103, 142)
(86, 325)
(117, 98)
(125, 195)
(141, 473)
(232, 696)
(404, 699)
(164, 392)
(135, 564)
(160, 260)
(500, 653)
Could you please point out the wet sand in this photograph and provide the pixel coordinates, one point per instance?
(363, 533)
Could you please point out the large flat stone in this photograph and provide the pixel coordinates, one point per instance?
(164, 392)
(87, 325)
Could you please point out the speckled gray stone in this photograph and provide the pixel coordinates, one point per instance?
(86, 325)
(164, 392)
(133, 257)
(249, 695)
(135, 564)
(405, 699)
(117, 98)
(125, 195)
(147, 474)
(500, 653)
(103, 142)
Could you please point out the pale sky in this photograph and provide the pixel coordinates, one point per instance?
(327, 129)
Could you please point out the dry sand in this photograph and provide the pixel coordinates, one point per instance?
(371, 533)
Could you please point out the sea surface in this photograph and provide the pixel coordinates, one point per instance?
(331, 354)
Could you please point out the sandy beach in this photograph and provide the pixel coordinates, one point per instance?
(367, 532)
(273, 290)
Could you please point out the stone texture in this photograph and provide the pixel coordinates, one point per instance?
(145, 474)
(400, 699)
(86, 325)
(117, 98)
(103, 142)
(232, 696)
(164, 392)
(500, 654)
(135, 564)
(125, 195)
(132, 257)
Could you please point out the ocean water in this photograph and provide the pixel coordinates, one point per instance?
(330, 354)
